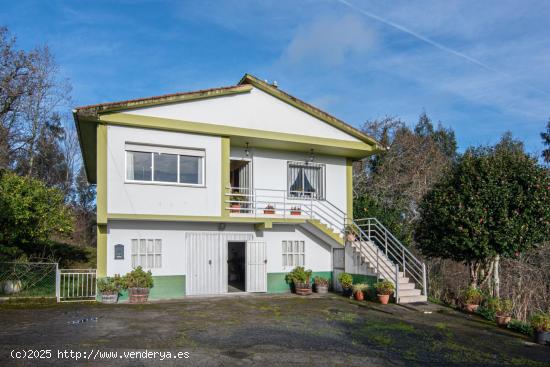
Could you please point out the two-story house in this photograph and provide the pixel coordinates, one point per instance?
(228, 189)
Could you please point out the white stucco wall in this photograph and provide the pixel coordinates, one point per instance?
(318, 254)
(254, 110)
(164, 199)
(269, 171)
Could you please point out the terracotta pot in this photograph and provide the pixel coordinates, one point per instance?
(471, 308)
(138, 295)
(235, 208)
(295, 212)
(502, 320)
(322, 289)
(269, 211)
(109, 297)
(302, 289)
(383, 298)
(542, 337)
(359, 296)
(347, 292)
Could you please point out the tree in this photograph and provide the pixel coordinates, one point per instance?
(546, 141)
(84, 209)
(31, 215)
(493, 202)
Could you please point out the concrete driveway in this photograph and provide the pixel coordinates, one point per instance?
(257, 330)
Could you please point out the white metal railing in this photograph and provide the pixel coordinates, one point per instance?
(76, 285)
(284, 204)
(390, 248)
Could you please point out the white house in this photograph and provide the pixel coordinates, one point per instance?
(228, 189)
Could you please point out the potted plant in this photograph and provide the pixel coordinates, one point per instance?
(350, 234)
(541, 326)
(346, 281)
(295, 210)
(384, 289)
(358, 291)
(236, 200)
(503, 312)
(269, 209)
(321, 285)
(109, 287)
(471, 298)
(300, 279)
(138, 283)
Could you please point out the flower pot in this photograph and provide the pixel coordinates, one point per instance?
(502, 320)
(471, 308)
(542, 337)
(348, 292)
(351, 237)
(109, 297)
(269, 211)
(235, 208)
(295, 212)
(138, 295)
(359, 296)
(302, 289)
(383, 298)
(322, 289)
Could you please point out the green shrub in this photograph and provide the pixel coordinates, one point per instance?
(471, 295)
(321, 281)
(109, 285)
(137, 278)
(504, 307)
(384, 287)
(520, 327)
(540, 321)
(298, 275)
(346, 280)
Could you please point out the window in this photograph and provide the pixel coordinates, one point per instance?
(306, 180)
(165, 165)
(293, 253)
(146, 253)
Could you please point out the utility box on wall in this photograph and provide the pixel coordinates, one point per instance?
(119, 251)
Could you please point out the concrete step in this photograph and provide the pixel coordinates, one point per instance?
(404, 286)
(403, 280)
(412, 299)
(409, 292)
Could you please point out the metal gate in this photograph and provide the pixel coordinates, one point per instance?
(76, 285)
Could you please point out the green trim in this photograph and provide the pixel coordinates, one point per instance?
(349, 188)
(101, 188)
(101, 245)
(367, 279)
(276, 282)
(307, 108)
(165, 287)
(225, 173)
(327, 231)
(239, 136)
(192, 218)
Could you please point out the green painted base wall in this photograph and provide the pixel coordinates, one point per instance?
(367, 279)
(276, 282)
(165, 287)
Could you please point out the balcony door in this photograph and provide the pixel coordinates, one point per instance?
(240, 177)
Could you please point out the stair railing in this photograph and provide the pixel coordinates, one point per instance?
(394, 250)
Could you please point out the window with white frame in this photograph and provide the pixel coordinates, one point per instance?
(147, 253)
(306, 180)
(164, 165)
(293, 253)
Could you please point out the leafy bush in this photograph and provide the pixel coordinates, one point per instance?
(540, 321)
(471, 296)
(321, 281)
(487, 313)
(137, 278)
(109, 284)
(346, 280)
(384, 287)
(503, 307)
(360, 287)
(298, 275)
(520, 327)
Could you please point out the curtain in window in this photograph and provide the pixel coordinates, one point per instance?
(306, 180)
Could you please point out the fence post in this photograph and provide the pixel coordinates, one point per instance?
(57, 283)
(396, 283)
(424, 283)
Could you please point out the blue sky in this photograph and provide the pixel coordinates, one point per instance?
(480, 67)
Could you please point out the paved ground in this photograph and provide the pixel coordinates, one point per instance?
(262, 331)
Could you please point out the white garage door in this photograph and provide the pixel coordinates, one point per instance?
(256, 266)
(205, 268)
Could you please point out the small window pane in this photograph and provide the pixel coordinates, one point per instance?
(158, 246)
(158, 261)
(150, 261)
(301, 246)
(302, 260)
(142, 246)
(142, 262)
(134, 261)
(284, 260)
(190, 169)
(150, 246)
(166, 167)
(134, 246)
(138, 166)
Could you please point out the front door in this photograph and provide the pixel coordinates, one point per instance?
(256, 266)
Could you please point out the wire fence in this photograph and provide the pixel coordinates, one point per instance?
(25, 279)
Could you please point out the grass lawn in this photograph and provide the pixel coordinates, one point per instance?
(268, 330)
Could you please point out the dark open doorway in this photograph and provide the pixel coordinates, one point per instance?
(236, 259)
